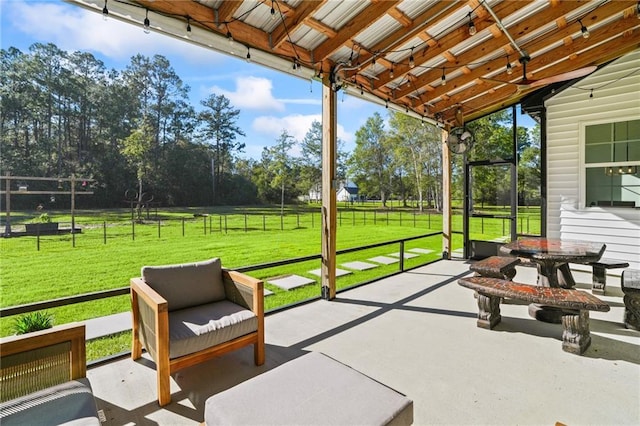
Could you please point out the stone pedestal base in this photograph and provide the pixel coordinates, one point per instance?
(631, 290)
(575, 334)
(488, 311)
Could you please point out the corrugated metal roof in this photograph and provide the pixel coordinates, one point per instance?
(329, 32)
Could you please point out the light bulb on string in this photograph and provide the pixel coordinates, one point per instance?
(188, 26)
(443, 79)
(248, 55)
(146, 27)
(412, 62)
(509, 67)
(583, 30)
(472, 26)
(229, 36)
(391, 74)
(105, 11)
(273, 12)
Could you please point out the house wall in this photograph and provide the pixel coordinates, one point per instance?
(616, 97)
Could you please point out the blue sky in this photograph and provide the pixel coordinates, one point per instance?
(269, 101)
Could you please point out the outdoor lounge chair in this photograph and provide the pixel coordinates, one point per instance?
(43, 378)
(188, 313)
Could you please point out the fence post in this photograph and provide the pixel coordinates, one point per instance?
(204, 224)
(264, 223)
(387, 217)
(282, 222)
(353, 217)
(133, 230)
(220, 220)
(183, 226)
(37, 236)
(104, 232)
(503, 226)
(401, 256)
(158, 228)
(312, 220)
(225, 224)
(245, 222)
(364, 217)
(429, 220)
(400, 217)
(374, 217)
(210, 218)
(482, 224)
(340, 217)
(414, 219)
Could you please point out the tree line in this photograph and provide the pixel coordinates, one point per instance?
(131, 131)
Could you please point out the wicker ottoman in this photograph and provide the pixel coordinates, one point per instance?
(312, 389)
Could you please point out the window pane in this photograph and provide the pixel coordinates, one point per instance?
(598, 186)
(598, 133)
(620, 131)
(634, 129)
(620, 151)
(634, 151)
(600, 153)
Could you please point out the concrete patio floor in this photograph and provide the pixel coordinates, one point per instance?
(416, 332)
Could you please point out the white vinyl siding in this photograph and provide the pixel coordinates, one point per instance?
(616, 97)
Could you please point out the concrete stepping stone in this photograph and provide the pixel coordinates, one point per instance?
(291, 281)
(267, 292)
(421, 250)
(406, 255)
(385, 260)
(359, 266)
(339, 272)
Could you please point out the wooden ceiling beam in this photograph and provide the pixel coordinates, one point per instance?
(451, 40)
(623, 34)
(485, 48)
(354, 27)
(294, 20)
(533, 46)
(402, 19)
(227, 9)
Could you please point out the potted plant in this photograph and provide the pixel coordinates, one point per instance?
(41, 224)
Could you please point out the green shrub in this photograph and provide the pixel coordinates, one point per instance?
(43, 218)
(33, 321)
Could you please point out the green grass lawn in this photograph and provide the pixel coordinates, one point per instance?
(111, 249)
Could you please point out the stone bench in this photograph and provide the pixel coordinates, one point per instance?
(575, 305)
(311, 389)
(599, 276)
(631, 288)
(496, 267)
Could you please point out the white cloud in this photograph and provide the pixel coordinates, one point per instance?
(73, 28)
(297, 125)
(251, 93)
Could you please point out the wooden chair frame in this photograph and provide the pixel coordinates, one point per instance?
(240, 289)
(72, 333)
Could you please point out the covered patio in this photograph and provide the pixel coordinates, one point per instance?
(416, 332)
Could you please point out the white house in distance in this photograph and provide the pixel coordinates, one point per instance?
(348, 192)
(593, 160)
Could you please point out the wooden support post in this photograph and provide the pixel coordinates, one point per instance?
(446, 198)
(329, 199)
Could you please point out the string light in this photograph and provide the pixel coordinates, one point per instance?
(386, 103)
(509, 67)
(248, 55)
(188, 26)
(105, 11)
(583, 30)
(391, 71)
(273, 12)
(443, 79)
(361, 90)
(472, 26)
(638, 9)
(412, 62)
(147, 25)
(591, 94)
(229, 36)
